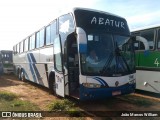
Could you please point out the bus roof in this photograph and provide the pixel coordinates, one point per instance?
(6, 51)
(94, 10)
(145, 27)
(72, 11)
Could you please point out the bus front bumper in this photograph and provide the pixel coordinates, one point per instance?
(103, 93)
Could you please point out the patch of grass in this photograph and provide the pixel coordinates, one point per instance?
(60, 105)
(139, 101)
(18, 103)
(7, 96)
(11, 102)
(56, 106)
(66, 107)
(74, 112)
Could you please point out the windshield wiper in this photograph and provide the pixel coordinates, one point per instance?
(124, 60)
(109, 60)
(107, 63)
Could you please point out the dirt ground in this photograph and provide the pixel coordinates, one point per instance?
(26, 90)
(42, 97)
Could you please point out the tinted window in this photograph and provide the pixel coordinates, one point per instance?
(17, 48)
(26, 45)
(158, 38)
(57, 53)
(32, 42)
(48, 35)
(21, 47)
(149, 36)
(41, 38)
(66, 25)
(37, 40)
(14, 49)
(53, 31)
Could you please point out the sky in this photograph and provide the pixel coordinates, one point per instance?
(20, 18)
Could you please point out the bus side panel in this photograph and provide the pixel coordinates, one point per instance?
(149, 77)
(17, 60)
(36, 64)
(37, 68)
(137, 58)
(147, 71)
(149, 59)
(45, 65)
(32, 58)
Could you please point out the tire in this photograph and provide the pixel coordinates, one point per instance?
(23, 78)
(19, 74)
(52, 84)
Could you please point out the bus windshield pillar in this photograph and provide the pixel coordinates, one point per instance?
(82, 41)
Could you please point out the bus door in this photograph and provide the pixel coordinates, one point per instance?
(73, 66)
(59, 76)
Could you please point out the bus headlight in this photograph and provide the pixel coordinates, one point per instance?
(132, 81)
(91, 85)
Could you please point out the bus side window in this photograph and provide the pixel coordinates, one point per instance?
(48, 35)
(32, 42)
(21, 47)
(26, 45)
(41, 38)
(66, 25)
(136, 45)
(141, 46)
(53, 31)
(158, 41)
(149, 36)
(18, 48)
(37, 40)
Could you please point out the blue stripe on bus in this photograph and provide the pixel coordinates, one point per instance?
(100, 79)
(25, 73)
(31, 68)
(36, 70)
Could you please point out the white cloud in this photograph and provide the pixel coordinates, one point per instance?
(18, 18)
(141, 20)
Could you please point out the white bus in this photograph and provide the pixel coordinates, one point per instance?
(59, 56)
(148, 62)
(6, 61)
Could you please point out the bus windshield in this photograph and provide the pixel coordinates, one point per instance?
(108, 55)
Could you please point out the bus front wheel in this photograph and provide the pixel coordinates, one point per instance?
(52, 83)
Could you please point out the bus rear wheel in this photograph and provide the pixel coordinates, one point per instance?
(19, 74)
(23, 76)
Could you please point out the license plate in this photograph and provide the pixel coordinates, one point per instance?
(116, 93)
